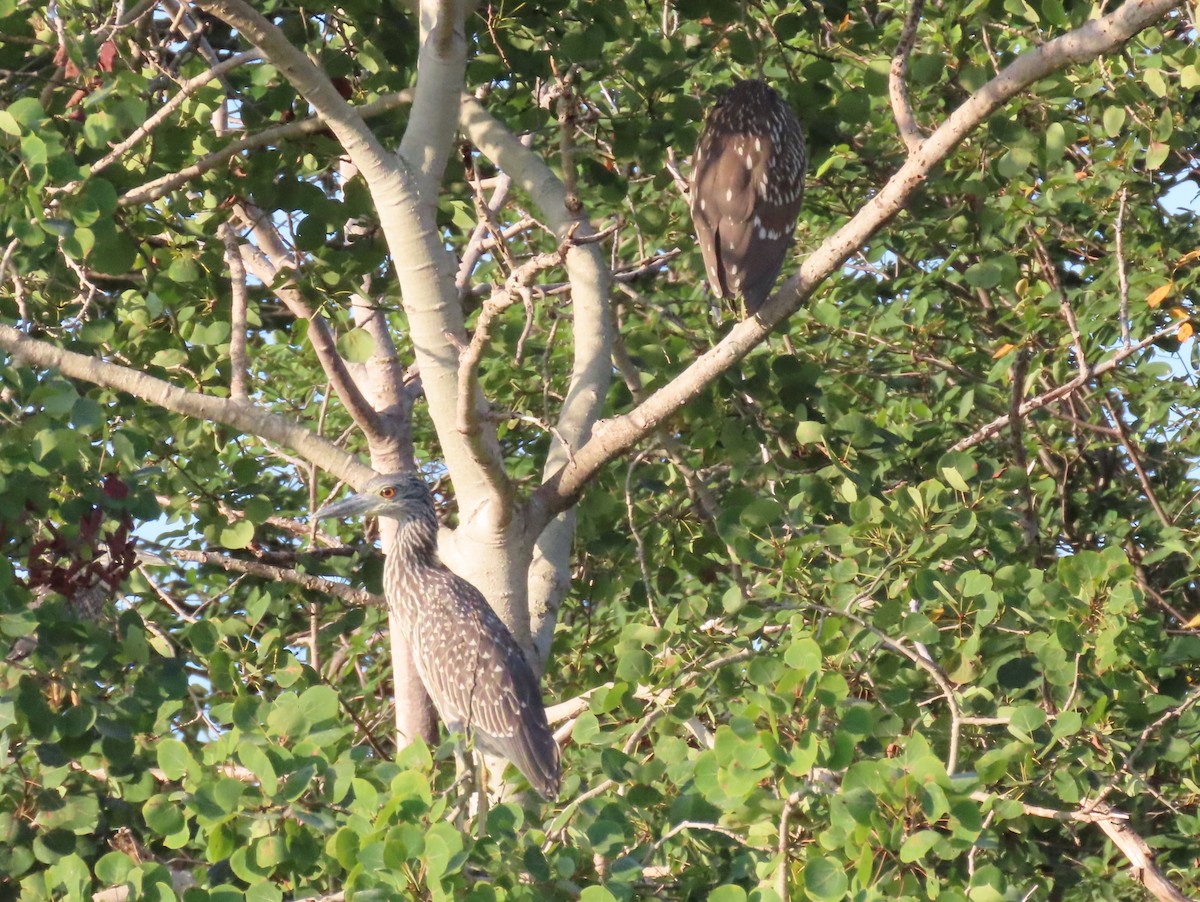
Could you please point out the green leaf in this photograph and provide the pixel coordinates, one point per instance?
(917, 845)
(596, 894)
(804, 655)
(238, 534)
(1157, 154)
(320, 704)
(357, 345)
(809, 432)
(27, 111)
(163, 815)
(256, 760)
(174, 759)
(825, 879)
(1114, 121)
(443, 850)
(1025, 720)
(727, 893)
(954, 479)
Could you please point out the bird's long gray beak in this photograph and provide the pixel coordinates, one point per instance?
(347, 507)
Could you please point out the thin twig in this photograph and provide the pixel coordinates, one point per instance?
(1060, 391)
(186, 90)
(1122, 275)
(640, 544)
(922, 661)
(278, 574)
(1134, 453)
(238, 367)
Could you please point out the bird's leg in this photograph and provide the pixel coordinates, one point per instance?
(471, 779)
(481, 812)
(464, 779)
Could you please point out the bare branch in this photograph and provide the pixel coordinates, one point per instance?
(898, 79)
(237, 314)
(268, 266)
(239, 415)
(279, 574)
(782, 882)
(590, 278)
(441, 72)
(186, 90)
(1122, 274)
(470, 414)
(1115, 825)
(152, 191)
(924, 661)
(1061, 391)
(1134, 453)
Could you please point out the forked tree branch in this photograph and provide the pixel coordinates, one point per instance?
(618, 435)
(1060, 391)
(401, 189)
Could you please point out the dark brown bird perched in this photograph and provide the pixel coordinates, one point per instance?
(468, 661)
(746, 189)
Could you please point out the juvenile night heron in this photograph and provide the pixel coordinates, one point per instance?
(467, 659)
(746, 189)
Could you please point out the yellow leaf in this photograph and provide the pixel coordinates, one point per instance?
(1193, 623)
(1178, 313)
(1159, 294)
(1185, 331)
(1189, 257)
(1005, 348)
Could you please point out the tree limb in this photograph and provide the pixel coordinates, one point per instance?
(270, 264)
(1060, 391)
(160, 187)
(240, 415)
(589, 275)
(278, 574)
(1114, 825)
(906, 125)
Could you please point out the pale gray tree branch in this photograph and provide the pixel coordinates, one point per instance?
(270, 262)
(1115, 825)
(186, 90)
(906, 125)
(441, 71)
(344, 591)
(240, 415)
(423, 265)
(160, 187)
(238, 364)
(618, 435)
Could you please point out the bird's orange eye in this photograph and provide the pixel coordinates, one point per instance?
(388, 492)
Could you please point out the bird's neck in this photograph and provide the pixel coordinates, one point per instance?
(415, 543)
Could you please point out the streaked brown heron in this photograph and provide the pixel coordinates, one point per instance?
(468, 661)
(746, 189)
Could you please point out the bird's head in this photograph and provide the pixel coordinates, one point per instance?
(400, 496)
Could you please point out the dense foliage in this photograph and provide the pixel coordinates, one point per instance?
(833, 636)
